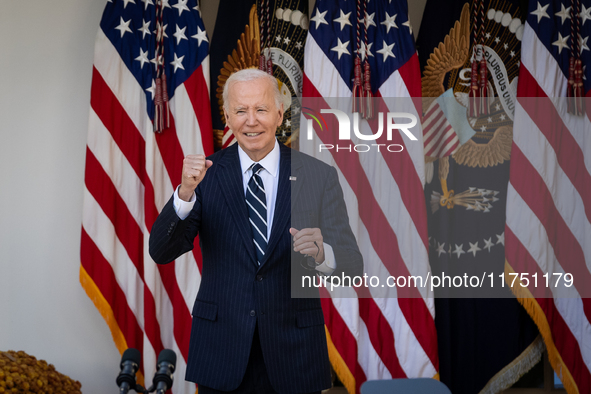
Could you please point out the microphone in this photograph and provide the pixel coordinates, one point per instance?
(130, 363)
(163, 378)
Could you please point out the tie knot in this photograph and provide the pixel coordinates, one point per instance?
(256, 168)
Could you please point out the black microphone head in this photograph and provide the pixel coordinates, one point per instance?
(168, 356)
(133, 355)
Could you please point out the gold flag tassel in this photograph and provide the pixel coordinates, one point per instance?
(262, 59)
(161, 105)
(474, 89)
(478, 95)
(162, 114)
(265, 62)
(574, 93)
(367, 93)
(484, 101)
(357, 81)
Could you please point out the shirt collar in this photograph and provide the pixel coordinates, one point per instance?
(269, 162)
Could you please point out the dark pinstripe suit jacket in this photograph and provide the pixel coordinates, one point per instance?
(235, 293)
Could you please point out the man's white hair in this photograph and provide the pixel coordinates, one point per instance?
(251, 74)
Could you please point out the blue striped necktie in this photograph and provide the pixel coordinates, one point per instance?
(257, 211)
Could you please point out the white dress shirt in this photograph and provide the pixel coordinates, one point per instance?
(270, 178)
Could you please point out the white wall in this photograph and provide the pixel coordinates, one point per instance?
(46, 52)
(46, 55)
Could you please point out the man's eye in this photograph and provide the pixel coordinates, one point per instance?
(262, 110)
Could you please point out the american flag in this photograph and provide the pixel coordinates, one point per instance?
(440, 139)
(131, 172)
(549, 197)
(375, 337)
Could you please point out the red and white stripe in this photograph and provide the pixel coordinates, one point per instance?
(549, 210)
(228, 138)
(386, 333)
(440, 139)
(131, 173)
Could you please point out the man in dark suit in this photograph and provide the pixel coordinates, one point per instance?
(266, 216)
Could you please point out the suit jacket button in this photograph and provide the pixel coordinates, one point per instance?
(252, 313)
(260, 278)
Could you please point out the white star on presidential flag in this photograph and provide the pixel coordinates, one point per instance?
(564, 13)
(178, 62)
(501, 239)
(299, 45)
(286, 40)
(561, 43)
(147, 3)
(473, 248)
(341, 48)
(125, 2)
(343, 20)
(143, 58)
(145, 29)
(123, 26)
(386, 50)
(585, 14)
(540, 12)
(488, 244)
(319, 18)
(180, 34)
(165, 4)
(200, 36)
(459, 250)
(389, 22)
(182, 6)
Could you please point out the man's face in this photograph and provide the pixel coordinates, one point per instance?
(253, 116)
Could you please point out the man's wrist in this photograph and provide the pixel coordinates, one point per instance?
(186, 194)
(181, 207)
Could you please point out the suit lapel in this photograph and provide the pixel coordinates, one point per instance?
(230, 180)
(285, 190)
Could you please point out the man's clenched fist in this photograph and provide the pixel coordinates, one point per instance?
(194, 169)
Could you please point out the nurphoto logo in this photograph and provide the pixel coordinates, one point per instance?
(401, 121)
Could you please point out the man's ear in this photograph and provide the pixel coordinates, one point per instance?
(281, 112)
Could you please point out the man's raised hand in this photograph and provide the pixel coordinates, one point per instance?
(194, 169)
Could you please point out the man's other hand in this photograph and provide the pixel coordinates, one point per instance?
(194, 169)
(308, 241)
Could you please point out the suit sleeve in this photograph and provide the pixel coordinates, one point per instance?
(170, 236)
(336, 230)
